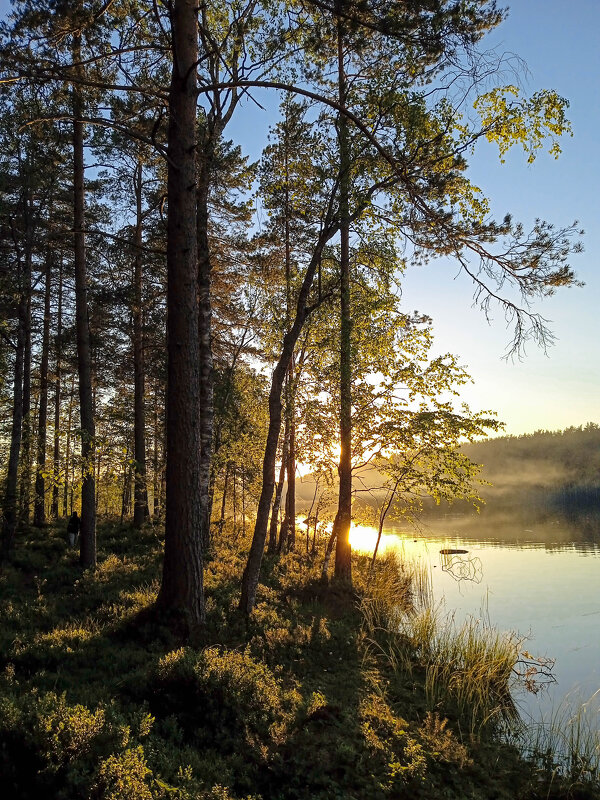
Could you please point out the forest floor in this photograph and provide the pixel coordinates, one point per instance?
(302, 701)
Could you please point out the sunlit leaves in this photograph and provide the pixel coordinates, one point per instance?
(533, 123)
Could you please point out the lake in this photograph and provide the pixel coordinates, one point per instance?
(540, 580)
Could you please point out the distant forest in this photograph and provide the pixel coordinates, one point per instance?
(546, 472)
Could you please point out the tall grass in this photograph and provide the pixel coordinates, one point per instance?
(567, 746)
(468, 667)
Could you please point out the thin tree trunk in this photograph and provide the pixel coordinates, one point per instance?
(382, 516)
(68, 451)
(57, 379)
(290, 497)
(40, 481)
(252, 570)
(342, 522)
(272, 547)
(234, 480)
(243, 504)
(140, 510)
(10, 494)
(182, 592)
(25, 491)
(224, 499)
(87, 553)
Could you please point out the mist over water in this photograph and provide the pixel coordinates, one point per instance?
(539, 579)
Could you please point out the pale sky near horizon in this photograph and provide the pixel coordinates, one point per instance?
(559, 41)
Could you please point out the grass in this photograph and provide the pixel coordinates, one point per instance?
(324, 693)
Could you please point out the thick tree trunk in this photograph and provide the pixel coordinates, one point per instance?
(57, 379)
(87, 553)
(181, 594)
(9, 507)
(204, 333)
(39, 516)
(342, 522)
(140, 509)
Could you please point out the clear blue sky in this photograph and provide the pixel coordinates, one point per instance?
(559, 41)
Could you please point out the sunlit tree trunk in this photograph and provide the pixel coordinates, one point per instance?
(272, 546)
(341, 525)
(205, 344)
(181, 596)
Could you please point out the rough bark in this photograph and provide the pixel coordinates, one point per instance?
(204, 334)
(87, 552)
(140, 509)
(9, 507)
(181, 596)
(57, 387)
(39, 514)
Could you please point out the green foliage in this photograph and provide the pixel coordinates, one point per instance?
(304, 702)
(226, 692)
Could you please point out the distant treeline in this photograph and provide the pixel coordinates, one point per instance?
(547, 472)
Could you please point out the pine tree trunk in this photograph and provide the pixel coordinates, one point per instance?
(26, 436)
(57, 379)
(87, 552)
(39, 517)
(290, 497)
(342, 522)
(68, 452)
(140, 510)
(204, 333)
(9, 507)
(181, 596)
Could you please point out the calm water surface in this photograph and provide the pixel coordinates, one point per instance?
(541, 581)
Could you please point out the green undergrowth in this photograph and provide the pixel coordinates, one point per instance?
(323, 693)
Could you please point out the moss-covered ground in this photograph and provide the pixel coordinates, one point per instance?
(98, 701)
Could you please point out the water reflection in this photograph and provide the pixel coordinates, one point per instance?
(537, 579)
(461, 568)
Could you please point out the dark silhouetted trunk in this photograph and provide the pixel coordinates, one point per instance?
(9, 507)
(290, 497)
(57, 379)
(181, 596)
(68, 480)
(87, 552)
(140, 509)
(39, 516)
(25, 458)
